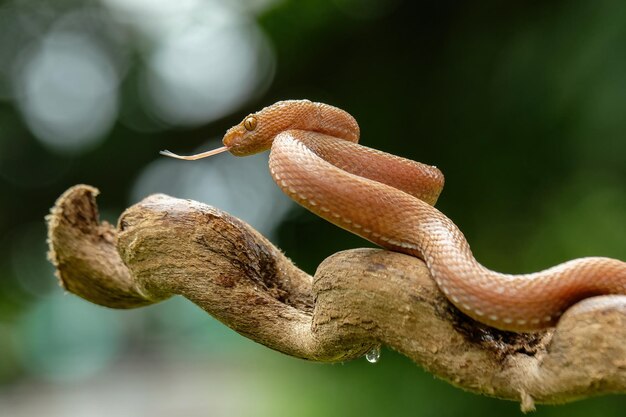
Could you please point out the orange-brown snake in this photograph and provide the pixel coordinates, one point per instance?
(315, 160)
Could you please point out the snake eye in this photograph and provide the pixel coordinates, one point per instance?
(249, 123)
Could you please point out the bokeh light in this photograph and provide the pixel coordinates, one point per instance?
(67, 91)
(205, 57)
(65, 338)
(205, 72)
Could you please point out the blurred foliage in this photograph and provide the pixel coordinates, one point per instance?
(520, 104)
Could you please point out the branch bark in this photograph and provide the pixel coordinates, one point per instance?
(358, 299)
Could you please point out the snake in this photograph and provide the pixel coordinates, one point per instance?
(315, 159)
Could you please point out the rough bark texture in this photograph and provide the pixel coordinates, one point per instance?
(357, 299)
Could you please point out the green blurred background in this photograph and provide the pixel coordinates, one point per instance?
(522, 106)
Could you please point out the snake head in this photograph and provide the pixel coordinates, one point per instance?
(257, 131)
(248, 138)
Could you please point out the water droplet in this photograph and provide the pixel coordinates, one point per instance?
(373, 355)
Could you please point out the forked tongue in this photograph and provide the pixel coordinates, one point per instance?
(196, 156)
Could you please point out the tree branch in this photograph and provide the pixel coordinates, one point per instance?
(358, 299)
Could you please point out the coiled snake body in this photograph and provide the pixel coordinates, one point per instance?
(315, 159)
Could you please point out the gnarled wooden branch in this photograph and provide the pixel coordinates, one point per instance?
(358, 299)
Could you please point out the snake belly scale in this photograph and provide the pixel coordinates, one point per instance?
(316, 160)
